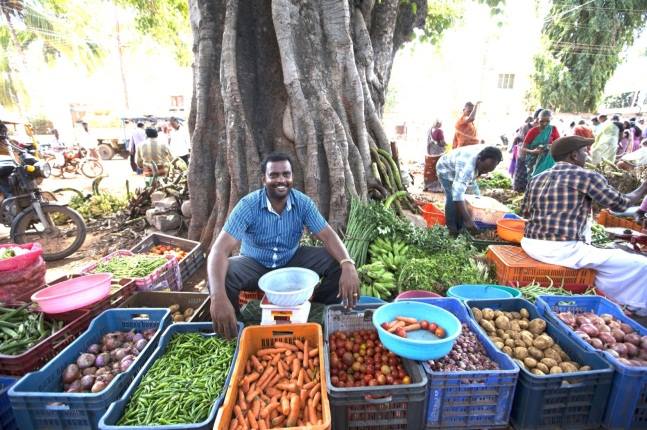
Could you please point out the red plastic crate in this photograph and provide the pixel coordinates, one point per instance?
(38, 355)
(514, 265)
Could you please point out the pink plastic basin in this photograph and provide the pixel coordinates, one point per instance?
(21, 261)
(73, 294)
(415, 294)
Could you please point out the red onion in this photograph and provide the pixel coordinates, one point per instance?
(618, 335)
(607, 339)
(620, 348)
(632, 350)
(596, 343)
(626, 328)
(580, 320)
(633, 338)
(589, 329)
(607, 318)
(568, 318)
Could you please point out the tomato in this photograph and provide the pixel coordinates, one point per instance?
(373, 382)
(370, 352)
(334, 380)
(386, 370)
(424, 325)
(367, 378)
(381, 379)
(406, 380)
(432, 327)
(440, 332)
(341, 384)
(389, 379)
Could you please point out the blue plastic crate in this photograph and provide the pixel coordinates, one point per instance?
(116, 410)
(627, 407)
(38, 399)
(470, 399)
(7, 421)
(561, 401)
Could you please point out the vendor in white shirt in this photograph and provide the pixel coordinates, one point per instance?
(179, 140)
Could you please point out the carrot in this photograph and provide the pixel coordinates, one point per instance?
(240, 417)
(269, 351)
(233, 424)
(267, 410)
(314, 390)
(274, 380)
(288, 387)
(286, 345)
(313, 352)
(295, 368)
(300, 378)
(276, 422)
(299, 344)
(285, 405)
(248, 366)
(253, 377)
(256, 408)
(303, 396)
(396, 325)
(252, 394)
(262, 425)
(265, 399)
(309, 385)
(281, 369)
(271, 391)
(407, 320)
(275, 359)
(252, 421)
(316, 399)
(262, 385)
(300, 355)
(241, 401)
(245, 387)
(312, 412)
(257, 364)
(289, 353)
(294, 411)
(412, 327)
(305, 353)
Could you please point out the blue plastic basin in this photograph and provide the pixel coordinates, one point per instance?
(477, 292)
(420, 344)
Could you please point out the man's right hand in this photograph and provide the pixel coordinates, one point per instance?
(223, 317)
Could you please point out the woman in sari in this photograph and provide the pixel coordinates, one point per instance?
(536, 145)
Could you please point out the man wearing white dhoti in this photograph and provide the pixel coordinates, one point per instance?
(557, 205)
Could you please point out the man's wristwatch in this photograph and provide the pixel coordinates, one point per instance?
(347, 260)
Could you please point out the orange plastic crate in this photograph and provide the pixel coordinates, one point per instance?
(247, 296)
(606, 219)
(514, 265)
(255, 338)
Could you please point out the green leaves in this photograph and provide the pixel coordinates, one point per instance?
(582, 46)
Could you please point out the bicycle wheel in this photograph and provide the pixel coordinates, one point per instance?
(91, 168)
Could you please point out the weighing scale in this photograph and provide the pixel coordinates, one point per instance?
(276, 314)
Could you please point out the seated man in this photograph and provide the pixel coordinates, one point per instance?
(268, 224)
(457, 171)
(557, 205)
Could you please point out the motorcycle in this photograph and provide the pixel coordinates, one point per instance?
(76, 161)
(32, 214)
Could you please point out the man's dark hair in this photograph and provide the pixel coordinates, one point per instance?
(151, 132)
(469, 104)
(563, 157)
(4, 131)
(140, 125)
(273, 157)
(491, 152)
(581, 122)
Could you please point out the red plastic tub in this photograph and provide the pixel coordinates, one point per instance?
(20, 261)
(432, 214)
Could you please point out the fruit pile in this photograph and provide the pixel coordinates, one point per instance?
(168, 249)
(400, 326)
(358, 359)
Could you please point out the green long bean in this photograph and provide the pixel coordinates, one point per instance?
(182, 385)
(131, 266)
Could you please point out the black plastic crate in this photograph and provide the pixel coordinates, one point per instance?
(386, 407)
(188, 265)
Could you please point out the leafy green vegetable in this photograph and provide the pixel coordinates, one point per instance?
(495, 180)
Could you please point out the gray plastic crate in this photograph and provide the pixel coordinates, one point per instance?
(188, 265)
(386, 407)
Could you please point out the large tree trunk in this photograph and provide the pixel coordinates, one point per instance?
(306, 77)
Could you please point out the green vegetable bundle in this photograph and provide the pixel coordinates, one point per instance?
(21, 329)
(495, 180)
(183, 384)
(439, 272)
(131, 266)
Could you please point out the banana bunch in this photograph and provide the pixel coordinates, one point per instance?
(392, 253)
(376, 280)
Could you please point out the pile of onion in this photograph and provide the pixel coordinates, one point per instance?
(606, 333)
(101, 363)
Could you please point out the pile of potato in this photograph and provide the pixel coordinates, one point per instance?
(180, 315)
(526, 342)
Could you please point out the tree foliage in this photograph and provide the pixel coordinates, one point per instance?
(166, 21)
(583, 42)
(50, 26)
